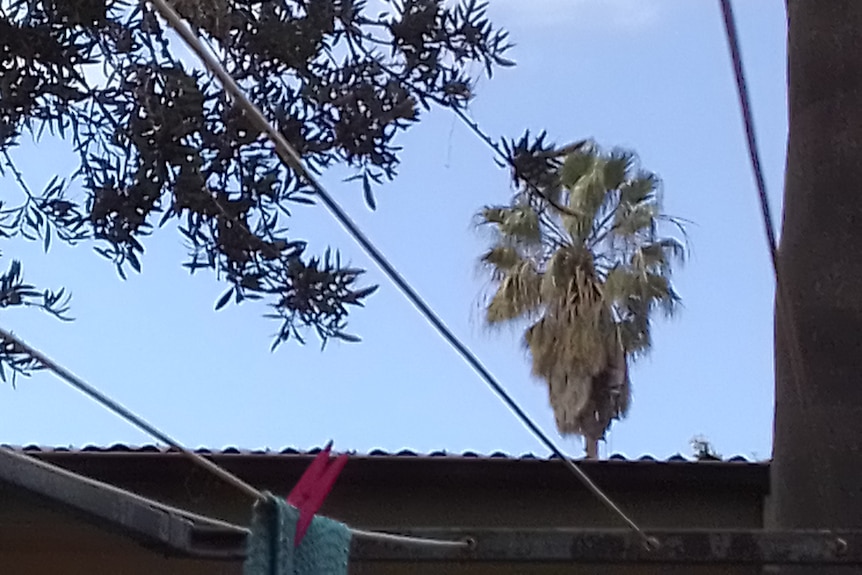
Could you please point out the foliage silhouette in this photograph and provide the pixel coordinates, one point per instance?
(157, 141)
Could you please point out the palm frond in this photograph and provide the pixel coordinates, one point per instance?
(661, 294)
(658, 257)
(569, 396)
(570, 276)
(582, 175)
(639, 189)
(501, 259)
(519, 223)
(679, 225)
(665, 250)
(619, 284)
(553, 236)
(634, 335)
(586, 198)
(617, 167)
(578, 165)
(517, 295)
(629, 221)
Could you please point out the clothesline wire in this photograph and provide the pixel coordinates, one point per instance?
(789, 329)
(73, 380)
(9, 339)
(291, 158)
(125, 493)
(212, 521)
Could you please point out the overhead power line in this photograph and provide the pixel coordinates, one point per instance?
(789, 331)
(291, 158)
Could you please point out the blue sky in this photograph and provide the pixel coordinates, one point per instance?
(653, 75)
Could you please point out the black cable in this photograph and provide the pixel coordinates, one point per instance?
(748, 121)
(286, 152)
(790, 331)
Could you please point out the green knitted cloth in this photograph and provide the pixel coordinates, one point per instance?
(324, 550)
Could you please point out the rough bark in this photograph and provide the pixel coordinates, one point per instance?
(817, 450)
(591, 446)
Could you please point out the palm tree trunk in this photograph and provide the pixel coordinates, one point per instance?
(817, 449)
(592, 447)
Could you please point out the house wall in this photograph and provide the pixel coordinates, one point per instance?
(36, 541)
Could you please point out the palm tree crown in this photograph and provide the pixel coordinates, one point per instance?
(581, 259)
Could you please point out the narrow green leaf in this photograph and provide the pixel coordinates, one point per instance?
(134, 262)
(369, 195)
(348, 337)
(224, 299)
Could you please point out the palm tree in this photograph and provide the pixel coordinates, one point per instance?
(582, 263)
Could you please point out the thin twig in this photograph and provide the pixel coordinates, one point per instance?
(19, 177)
(565, 150)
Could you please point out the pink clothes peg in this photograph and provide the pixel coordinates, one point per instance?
(312, 488)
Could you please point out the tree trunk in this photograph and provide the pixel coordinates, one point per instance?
(591, 444)
(817, 450)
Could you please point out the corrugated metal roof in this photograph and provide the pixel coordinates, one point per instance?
(376, 453)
